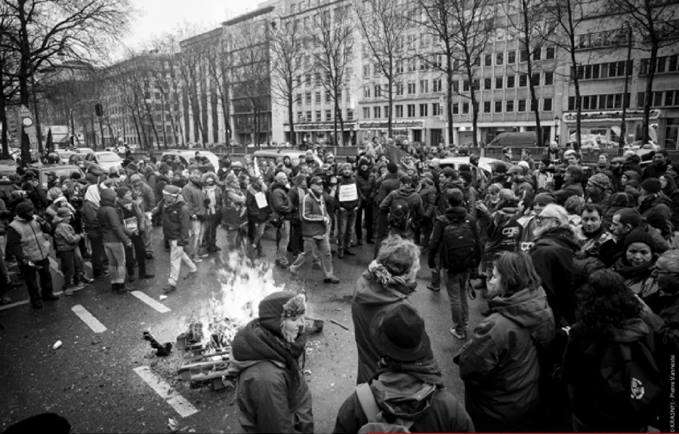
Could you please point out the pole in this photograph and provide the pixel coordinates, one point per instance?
(623, 126)
(101, 131)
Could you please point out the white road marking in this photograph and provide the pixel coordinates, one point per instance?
(160, 307)
(88, 319)
(183, 407)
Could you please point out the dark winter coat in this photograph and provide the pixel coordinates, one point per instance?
(365, 182)
(552, 256)
(455, 215)
(410, 196)
(280, 201)
(194, 198)
(91, 224)
(348, 205)
(591, 403)
(110, 219)
(369, 299)
(387, 185)
(314, 216)
(499, 366)
(176, 222)
(255, 213)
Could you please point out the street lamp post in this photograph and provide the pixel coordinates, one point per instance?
(625, 100)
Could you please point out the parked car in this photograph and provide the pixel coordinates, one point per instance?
(186, 156)
(7, 168)
(461, 164)
(106, 160)
(65, 155)
(59, 169)
(514, 140)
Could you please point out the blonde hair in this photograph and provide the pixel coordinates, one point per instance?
(400, 256)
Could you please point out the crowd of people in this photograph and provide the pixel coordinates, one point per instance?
(577, 266)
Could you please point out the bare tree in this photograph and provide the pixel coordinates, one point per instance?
(527, 20)
(8, 63)
(333, 41)
(218, 64)
(383, 24)
(655, 25)
(563, 20)
(287, 62)
(46, 29)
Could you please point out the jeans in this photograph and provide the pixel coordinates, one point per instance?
(146, 233)
(136, 254)
(115, 252)
(71, 266)
(256, 234)
(282, 240)
(316, 247)
(30, 276)
(210, 237)
(197, 232)
(346, 219)
(98, 254)
(177, 256)
(456, 286)
(364, 219)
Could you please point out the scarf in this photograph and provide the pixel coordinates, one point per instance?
(211, 196)
(92, 194)
(254, 342)
(379, 273)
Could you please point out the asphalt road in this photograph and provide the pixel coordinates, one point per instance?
(94, 378)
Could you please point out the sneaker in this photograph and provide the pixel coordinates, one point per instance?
(331, 279)
(461, 335)
(169, 288)
(190, 274)
(197, 259)
(433, 288)
(204, 255)
(69, 291)
(86, 279)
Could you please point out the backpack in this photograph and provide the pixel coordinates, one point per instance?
(376, 422)
(633, 380)
(399, 214)
(459, 248)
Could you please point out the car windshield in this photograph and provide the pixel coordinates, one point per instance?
(108, 157)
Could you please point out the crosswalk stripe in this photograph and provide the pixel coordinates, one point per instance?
(88, 319)
(160, 307)
(183, 407)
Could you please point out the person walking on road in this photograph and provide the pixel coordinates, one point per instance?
(176, 225)
(195, 201)
(272, 393)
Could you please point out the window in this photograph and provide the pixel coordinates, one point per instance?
(399, 66)
(456, 86)
(436, 109)
(523, 80)
(465, 85)
(499, 58)
(317, 79)
(532, 105)
(386, 111)
(399, 111)
(317, 97)
(411, 88)
(424, 86)
(456, 108)
(477, 61)
(510, 81)
(307, 98)
(487, 83)
(549, 54)
(475, 84)
(486, 106)
(411, 110)
(308, 116)
(328, 115)
(366, 91)
(436, 85)
(307, 79)
(412, 64)
(327, 96)
(535, 79)
(669, 96)
(498, 82)
(549, 78)
(522, 105)
(423, 110)
(399, 88)
(376, 112)
(299, 117)
(298, 99)
(510, 105)
(378, 90)
(547, 104)
(657, 99)
(511, 57)
(536, 53)
(318, 115)
(524, 55)
(488, 60)
(366, 112)
(465, 107)
(498, 106)
(350, 114)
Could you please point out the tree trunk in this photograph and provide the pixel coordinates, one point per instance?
(529, 65)
(623, 120)
(38, 128)
(3, 117)
(334, 119)
(291, 119)
(23, 76)
(576, 79)
(136, 128)
(475, 104)
(390, 117)
(648, 101)
(449, 98)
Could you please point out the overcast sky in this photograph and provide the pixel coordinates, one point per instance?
(157, 17)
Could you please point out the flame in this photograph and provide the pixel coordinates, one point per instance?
(243, 285)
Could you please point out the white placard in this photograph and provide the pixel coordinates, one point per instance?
(260, 198)
(348, 193)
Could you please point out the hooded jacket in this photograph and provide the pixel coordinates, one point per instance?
(234, 212)
(409, 195)
(255, 213)
(365, 182)
(552, 256)
(454, 215)
(499, 365)
(194, 198)
(347, 180)
(176, 221)
(591, 400)
(90, 210)
(386, 186)
(110, 219)
(369, 299)
(280, 201)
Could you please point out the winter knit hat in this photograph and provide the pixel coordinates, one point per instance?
(280, 305)
(640, 235)
(601, 181)
(171, 189)
(651, 185)
(544, 199)
(629, 216)
(64, 212)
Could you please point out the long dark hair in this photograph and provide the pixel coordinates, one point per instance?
(517, 271)
(605, 303)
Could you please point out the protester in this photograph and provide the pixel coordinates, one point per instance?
(115, 239)
(66, 242)
(176, 220)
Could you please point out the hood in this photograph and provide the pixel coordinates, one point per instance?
(634, 272)
(370, 292)
(456, 214)
(631, 330)
(564, 236)
(276, 185)
(402, 395)
(108, 197)
(92, 194)
(406, 191)
(530, 310)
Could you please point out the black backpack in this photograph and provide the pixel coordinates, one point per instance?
(399, 214)
(459, 247)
